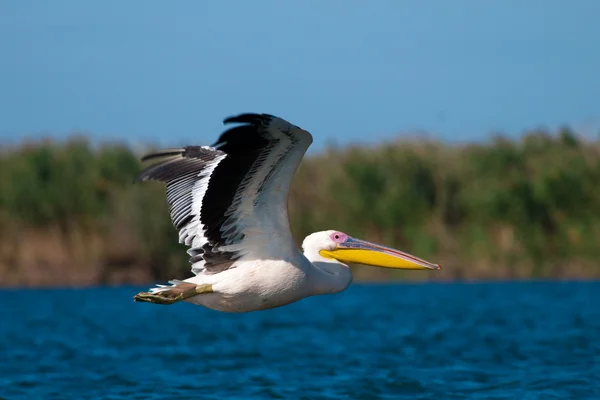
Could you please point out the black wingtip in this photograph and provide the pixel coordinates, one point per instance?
(162, 153)
(248, 118)
(143, 176)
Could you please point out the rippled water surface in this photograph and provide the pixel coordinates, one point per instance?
(430, 341)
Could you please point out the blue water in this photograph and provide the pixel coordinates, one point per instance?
(421, 341)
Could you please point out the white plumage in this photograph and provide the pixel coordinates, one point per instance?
(229, 203)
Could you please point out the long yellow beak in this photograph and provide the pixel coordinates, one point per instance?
(355, 251)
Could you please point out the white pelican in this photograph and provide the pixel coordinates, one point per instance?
(229, 204)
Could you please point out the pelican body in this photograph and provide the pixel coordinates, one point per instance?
(228, 202)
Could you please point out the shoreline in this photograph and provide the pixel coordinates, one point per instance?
(367, 282)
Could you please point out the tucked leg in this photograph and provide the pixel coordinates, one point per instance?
(170, 295)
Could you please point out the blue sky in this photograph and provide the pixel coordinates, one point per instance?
(348, 71)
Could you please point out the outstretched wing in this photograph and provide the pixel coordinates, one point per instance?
(229, 200)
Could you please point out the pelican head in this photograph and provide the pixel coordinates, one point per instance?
(346, 249)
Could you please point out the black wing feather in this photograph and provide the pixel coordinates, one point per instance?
(246, 147)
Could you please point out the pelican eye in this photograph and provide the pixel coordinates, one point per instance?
(338, 237)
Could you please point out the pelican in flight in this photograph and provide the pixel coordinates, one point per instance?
(228, 202)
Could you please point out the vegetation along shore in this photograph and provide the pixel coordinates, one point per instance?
(526, 208)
